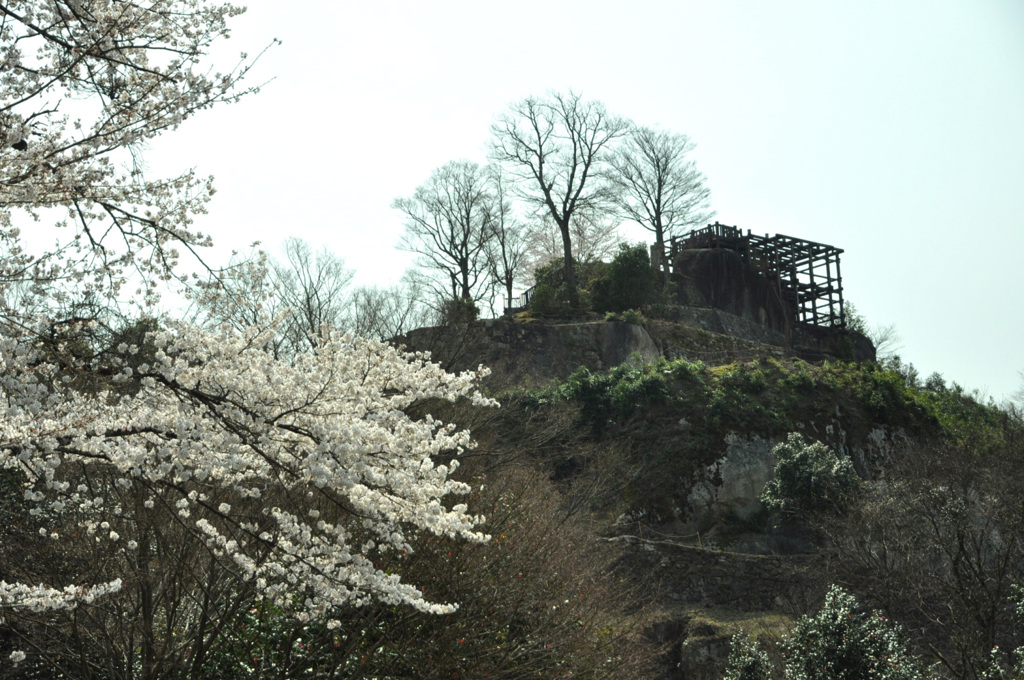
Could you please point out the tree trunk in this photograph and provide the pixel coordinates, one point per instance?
(659, 242)
(570, 267)
(148, 651)
(464, 273)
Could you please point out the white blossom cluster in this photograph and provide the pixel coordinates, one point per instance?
(294, 474)
(40, 598)
(83, 84)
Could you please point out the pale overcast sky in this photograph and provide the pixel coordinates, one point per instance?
(893, 130)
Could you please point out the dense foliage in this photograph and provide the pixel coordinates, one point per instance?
(934, 534)
(669, 419)
(747, 661)
(233, 470)
(267, 498)
(809, 478)
(170, 478)
(840, 642)
(628, 282)
(540, 600)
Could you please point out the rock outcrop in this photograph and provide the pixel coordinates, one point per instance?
(533, 352)
(721, 279)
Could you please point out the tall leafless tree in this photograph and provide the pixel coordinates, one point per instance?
(660, 188)
(507, 239)
(594, 238)
(448, 219)
(557, 147)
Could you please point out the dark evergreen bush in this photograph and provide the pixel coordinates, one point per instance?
(628, 283)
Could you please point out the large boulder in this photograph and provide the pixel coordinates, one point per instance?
(722, 279)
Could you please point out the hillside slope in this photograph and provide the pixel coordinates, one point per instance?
(667, 457)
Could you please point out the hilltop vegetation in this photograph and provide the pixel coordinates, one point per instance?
(652, 453)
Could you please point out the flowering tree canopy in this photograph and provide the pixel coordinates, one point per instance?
(85, 84)
(214, 434)
(190, 472)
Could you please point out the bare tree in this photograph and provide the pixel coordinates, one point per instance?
(886, 339)
(306, 293)
(557, 147)
(312, 285)
(507, 242)
(661, 189)
(940, 545)
(384, 313)
(448, 219)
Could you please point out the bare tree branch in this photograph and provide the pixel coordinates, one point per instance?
(659, 188)
(448, 221)
(557, 148)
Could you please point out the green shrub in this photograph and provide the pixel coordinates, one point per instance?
(634, 317)
(681, 369)
(839, 643)
(637, 389)
(629, 282)
(842, 643)
(460, 310)
(809, 478)
(745, 378)
(548, 300)
(616, 394)
(551, 296)
(746, 661)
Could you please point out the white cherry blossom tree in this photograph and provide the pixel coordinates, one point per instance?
(288, 478)
(173, 478)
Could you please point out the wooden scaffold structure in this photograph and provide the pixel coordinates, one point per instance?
(805, 274)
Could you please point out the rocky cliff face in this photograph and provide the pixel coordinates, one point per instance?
(720, 279)
(534, 352)
(730, 488)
